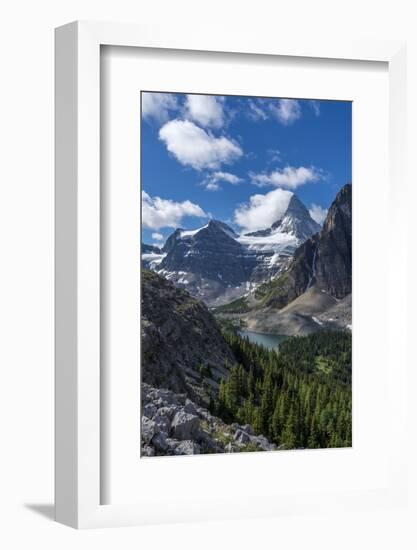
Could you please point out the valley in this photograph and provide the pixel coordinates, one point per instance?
(268, 370)
(246, 274)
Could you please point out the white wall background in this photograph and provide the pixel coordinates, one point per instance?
(26, 268)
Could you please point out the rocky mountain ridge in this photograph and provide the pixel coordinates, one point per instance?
(323, 261)
(177, 330)
(216, 265)
(314, 291)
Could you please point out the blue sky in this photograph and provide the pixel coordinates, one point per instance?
(237, 159)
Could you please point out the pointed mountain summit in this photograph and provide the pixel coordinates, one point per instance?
(296, 221)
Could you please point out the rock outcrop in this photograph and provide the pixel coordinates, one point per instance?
(323, 261)
(174, 425)
(332, 268)
(183, 349)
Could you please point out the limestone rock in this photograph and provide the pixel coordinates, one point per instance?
(185, 426)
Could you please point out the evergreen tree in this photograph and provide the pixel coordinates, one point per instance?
(300, 397)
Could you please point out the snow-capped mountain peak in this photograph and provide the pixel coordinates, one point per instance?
(213, 259)
(296, 222)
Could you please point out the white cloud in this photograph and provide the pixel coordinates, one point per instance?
(193, 146)
(262, 210)
(157, 237)
(207, 110)
(211, 182)
(318, 213)
(226, 176)
(287, 111)
(287, 177)
(256, 112)
(157, 212)
(315, 105)
(157, 106)
(212, 186)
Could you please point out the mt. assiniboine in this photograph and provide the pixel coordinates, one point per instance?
(217, 265)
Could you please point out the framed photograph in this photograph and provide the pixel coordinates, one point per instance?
(246, 292)
(227, 343)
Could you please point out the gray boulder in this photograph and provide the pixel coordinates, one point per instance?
(149, 410)
(248, 429)
(204, 414)
(162, 422)
(168, 411)
(190, 408)
(148, 451)
(163, 397)
(159, 442)
(241, 437)
(262, 442)
(187, 447)
(149, 429)
(185, 426)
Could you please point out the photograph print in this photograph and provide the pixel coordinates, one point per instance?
(246, 274)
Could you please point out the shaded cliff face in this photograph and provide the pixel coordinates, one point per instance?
(212, 252)
(323, 261)
(292, 283)
(333, 261)
(182, 347)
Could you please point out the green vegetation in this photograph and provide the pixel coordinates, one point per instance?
(240, 305)
(299, 397)
(229, 324)
(273, 288)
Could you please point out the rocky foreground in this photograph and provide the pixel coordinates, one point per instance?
(173, 425)
(183, 349)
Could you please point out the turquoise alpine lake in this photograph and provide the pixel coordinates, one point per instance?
(270, 341)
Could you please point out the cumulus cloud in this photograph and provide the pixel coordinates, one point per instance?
(157, 106)
(287, 111)
(193, 146)
(262, 210)
(157, 237)
(287, 177)
(206, 110)
(157, 212)
(318, 213)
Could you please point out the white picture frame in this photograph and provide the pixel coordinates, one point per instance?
(78, 406)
